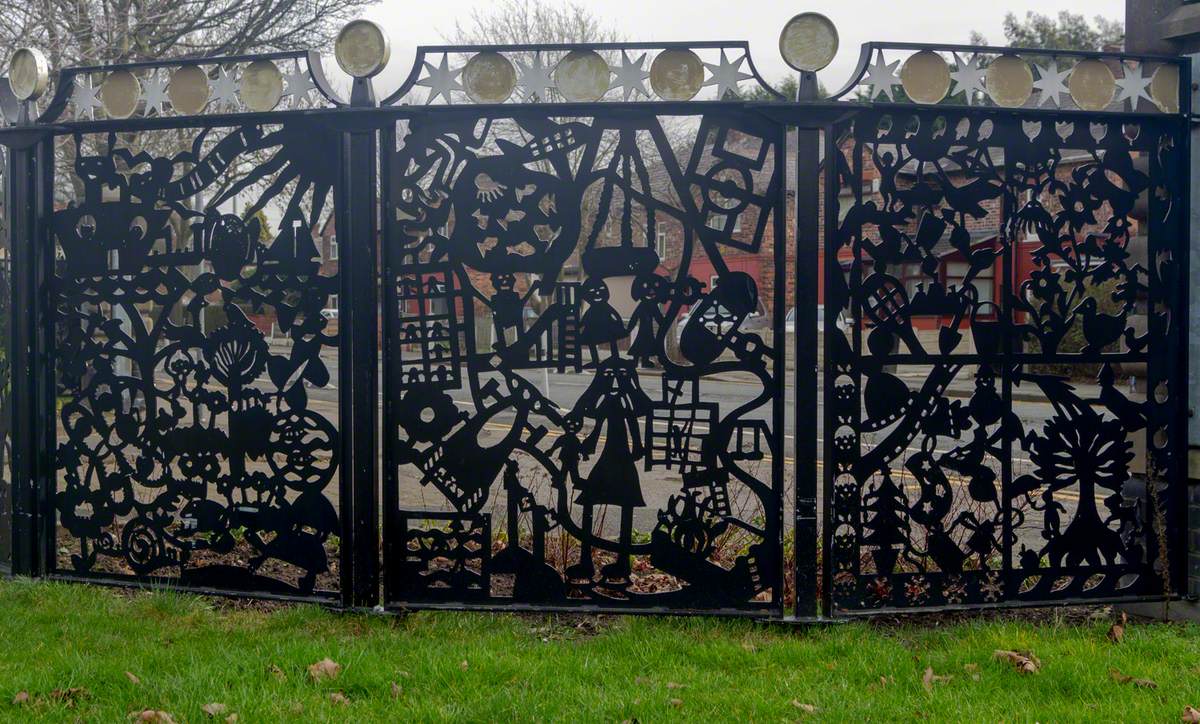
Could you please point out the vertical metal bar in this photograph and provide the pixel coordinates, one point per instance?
(389, 270)
(831, 270)
(358, 232)
(779, 355)
(45, 373)
(25, 202)
(1007, 285)
(1177, 388)
(808, 196)
(1174, 239)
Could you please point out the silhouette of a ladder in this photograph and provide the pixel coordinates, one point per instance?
(569, 354)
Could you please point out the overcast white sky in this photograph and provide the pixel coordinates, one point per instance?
(427, 22)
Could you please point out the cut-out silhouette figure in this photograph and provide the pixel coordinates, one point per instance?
(615, 401)
(600, 324)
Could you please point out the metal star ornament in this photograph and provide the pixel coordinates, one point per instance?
(1052, 84)
(298, 84)
(224, 88)
(630, 76)
(154, 93)
(85, 97)
(1133, 86)
(968, 78)
(726, 75)
(440, 79)
(535, 80)
(881, 77)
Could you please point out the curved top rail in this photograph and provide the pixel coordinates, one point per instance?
(1013, 77)
(580, 72)
(639, 72)
(186, 87)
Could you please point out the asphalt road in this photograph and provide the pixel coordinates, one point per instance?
(658, 485)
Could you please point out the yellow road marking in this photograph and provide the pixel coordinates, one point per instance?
(956, 480)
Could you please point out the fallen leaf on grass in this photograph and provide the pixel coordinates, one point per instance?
(276, 672)
(133, 679)
(1116, 632)
(396, 690)
(324, 669)
(676, 703)
(1120, 678)
(930, 678)
(809, 708)
(464, 665)
(69, 697)
(153, 716)
(214, 709)
(338, 697)
(1190, 714)
(1023, 661)
(231, 719)
(22, 697)
(674, 685)
(883, 682)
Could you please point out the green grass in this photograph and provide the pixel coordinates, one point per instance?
(188, 651)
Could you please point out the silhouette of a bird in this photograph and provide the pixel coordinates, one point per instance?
(1100, 329)
(1130, 413)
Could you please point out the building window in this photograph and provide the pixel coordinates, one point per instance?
(660, 239)
(333, 248)
(333, 301)
(984, 281)
(912, 277)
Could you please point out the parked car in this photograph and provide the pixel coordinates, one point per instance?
(757, 321)
(789, 323)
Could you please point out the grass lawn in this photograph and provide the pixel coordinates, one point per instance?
(68, 648)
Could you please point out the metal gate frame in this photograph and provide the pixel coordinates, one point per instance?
(360, 125)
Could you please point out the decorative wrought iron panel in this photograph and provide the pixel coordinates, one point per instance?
(942, 487)
(197, 427)
(508, 238)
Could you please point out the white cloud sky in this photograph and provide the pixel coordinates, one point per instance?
(427, 22)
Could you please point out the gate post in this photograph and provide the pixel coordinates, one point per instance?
(808, 196)
(28, 183)
(357, 204)
(1173, 27)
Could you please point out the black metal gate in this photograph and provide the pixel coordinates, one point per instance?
(589, 279)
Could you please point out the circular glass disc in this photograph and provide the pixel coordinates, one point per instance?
(262, 86)
(1009, 81)
(188, 90)
(489, 77)
(925, 77)
(119, 94)
(1092, 85)
(582, 76)
(362, 48)
(677, 74)
(1164, 88)
(808, 42)
(28, 73)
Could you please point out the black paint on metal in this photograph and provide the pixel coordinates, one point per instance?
(191, 455)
